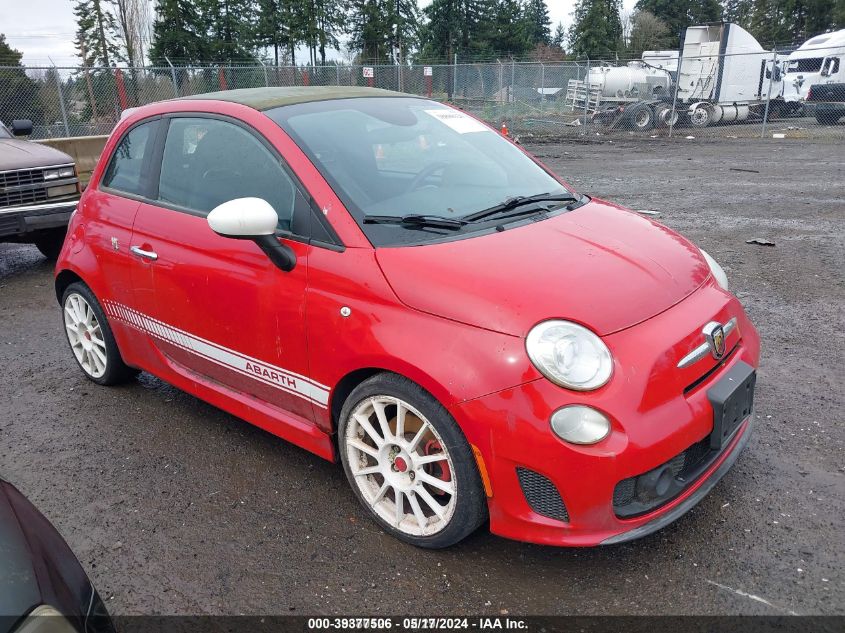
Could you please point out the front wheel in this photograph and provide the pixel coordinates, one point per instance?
(90, 337)
(409, 463)
(702, 116)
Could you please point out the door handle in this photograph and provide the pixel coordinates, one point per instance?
(137, 250)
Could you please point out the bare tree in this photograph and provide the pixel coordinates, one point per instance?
(134, 19)
(627, 17)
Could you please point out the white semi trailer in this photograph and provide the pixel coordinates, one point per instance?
(721, 73)
(819, 60)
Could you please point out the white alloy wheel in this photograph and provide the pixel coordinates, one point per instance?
(85, 335)
(401, 466)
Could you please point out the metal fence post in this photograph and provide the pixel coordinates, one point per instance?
(337, 73)
(769, 95)
(264, 67)
(61, 100)
(673, 114)
(586, 96)
(512, 92)
(173, 76)
(455, 77)
(542, 87)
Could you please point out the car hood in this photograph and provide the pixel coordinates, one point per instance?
(599, 265)
(19, 154)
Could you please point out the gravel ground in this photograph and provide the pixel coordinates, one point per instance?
(175, 507)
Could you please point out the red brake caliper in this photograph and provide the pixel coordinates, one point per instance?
(438, 469)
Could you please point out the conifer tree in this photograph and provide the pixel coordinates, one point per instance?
(96, 33)
(178, 34)
(597, 30)
(538, 23)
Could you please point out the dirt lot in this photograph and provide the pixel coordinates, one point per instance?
(175, 507)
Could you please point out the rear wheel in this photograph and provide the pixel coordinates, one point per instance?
(664, 115)
(409, 464)
(90, 337)
(641, 118)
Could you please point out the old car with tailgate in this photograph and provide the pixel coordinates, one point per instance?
(386, 281)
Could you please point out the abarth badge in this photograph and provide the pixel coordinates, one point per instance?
(714, 333)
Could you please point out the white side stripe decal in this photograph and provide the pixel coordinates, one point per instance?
(282, 379)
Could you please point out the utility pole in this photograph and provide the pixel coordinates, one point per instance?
(399, 42)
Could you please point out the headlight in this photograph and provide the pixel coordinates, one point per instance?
(718, 272)
(578, 424)
(62, 172)
(569, 355)
(45, 619)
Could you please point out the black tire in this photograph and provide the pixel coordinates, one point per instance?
(471, 503)
(640, 118)
(116, 371)
(827, 118)
(664, 116)
(50, 243)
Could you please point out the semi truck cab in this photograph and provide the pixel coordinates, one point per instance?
(819, 60)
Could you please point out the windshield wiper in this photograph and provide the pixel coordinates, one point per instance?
(513, 203)
(414, 220)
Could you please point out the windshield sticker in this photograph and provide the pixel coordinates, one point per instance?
(458, 121)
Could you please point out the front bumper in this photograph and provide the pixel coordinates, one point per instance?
(657, 412)
(718, 470)
(36, 217)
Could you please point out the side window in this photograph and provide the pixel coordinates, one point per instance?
(124, 171)
(207, 162)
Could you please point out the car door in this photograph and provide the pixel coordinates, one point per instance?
(110, 209)
(217, 307)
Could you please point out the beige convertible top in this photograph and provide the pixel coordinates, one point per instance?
(267, 98)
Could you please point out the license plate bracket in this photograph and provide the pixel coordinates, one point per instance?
(732, 398)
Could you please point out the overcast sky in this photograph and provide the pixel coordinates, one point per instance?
(44, 29)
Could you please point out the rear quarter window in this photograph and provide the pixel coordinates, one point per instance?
(124, 171)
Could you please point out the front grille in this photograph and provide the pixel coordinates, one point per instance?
(27, 196)
(22, 178)
(541, 494)
(643, 493)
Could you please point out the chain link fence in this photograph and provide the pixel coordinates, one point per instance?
(660, 94)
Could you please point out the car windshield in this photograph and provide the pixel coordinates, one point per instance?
(412, 158)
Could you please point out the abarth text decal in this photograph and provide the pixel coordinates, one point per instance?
(283, 379)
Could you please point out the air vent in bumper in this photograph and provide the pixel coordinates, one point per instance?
(541, 494)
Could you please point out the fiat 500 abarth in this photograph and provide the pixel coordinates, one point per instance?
(385, 280)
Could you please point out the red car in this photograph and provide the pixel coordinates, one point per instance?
(385, 280)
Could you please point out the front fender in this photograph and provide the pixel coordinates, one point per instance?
(451, 360)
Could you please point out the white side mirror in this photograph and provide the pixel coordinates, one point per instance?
(243, 218)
